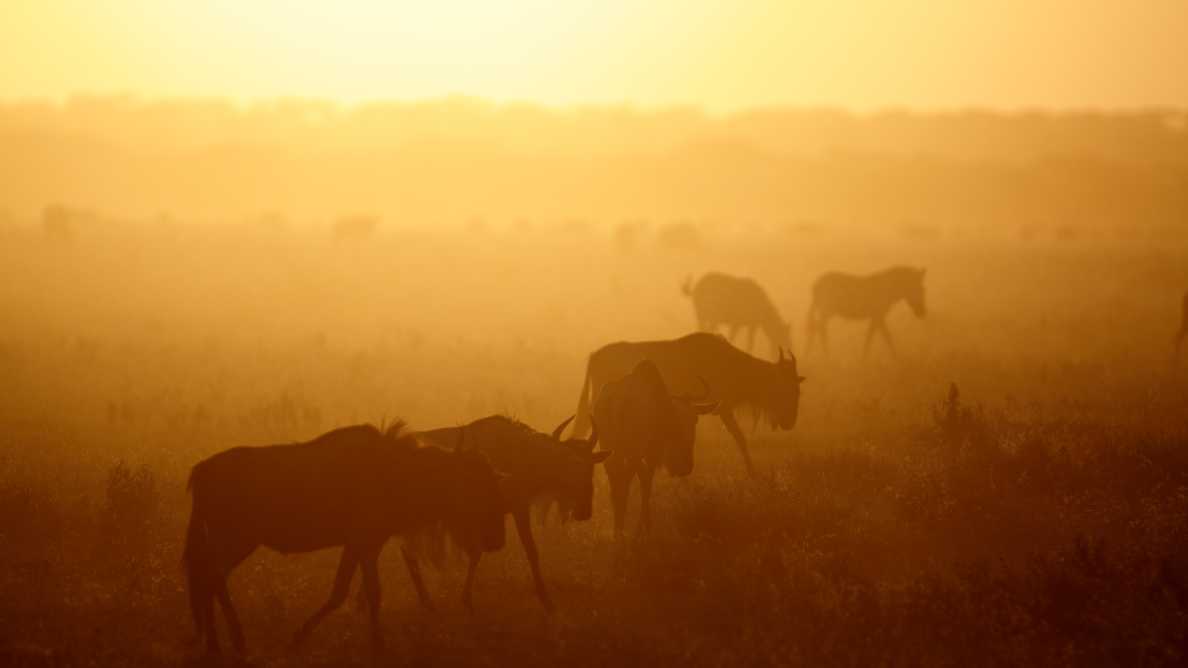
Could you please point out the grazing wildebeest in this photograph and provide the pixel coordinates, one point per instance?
(647, 428)
(538, 467)
(863, 298)
(771, 389)
(353, 487)
(1183, 324)
(719, 299)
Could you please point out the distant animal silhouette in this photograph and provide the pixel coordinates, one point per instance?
(647, 428)
(355, 228)
(772, 389)
(353, 487)
(679, 235)
(719, 299)
(1183, 324)
(863, 298)
(537, 466)
(59, 223)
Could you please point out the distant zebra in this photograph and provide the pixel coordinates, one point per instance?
(1183, 324)
(720, 299)
(863, 298)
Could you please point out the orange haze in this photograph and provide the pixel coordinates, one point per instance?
(721, 56)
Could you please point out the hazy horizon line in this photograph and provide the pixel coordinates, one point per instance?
(247, 103)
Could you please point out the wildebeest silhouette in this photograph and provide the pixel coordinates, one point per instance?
(647, 428)
(863, 298)
(1183, 324)
(771, 389)
(538, 466)
(719, 299)
(355, 487)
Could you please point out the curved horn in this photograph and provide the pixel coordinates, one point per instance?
(561, 427)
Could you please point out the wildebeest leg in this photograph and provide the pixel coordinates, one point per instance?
(870, 332)
(206, 605)
(887, 337)
(342, 588)
(236, 631)
(740, 440)
(371, 585)
(414, 572)
(543, 510)
(619, 476)
(467, 589)
(229, 560)
(645, 490)
(524, 528)
(823, 332)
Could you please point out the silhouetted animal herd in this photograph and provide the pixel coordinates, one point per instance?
(358, 486)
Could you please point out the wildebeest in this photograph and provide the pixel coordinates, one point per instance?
(353, 487)
(863, 298)
(772, 389)
(538, 467)
(719, 299)
(647, 428)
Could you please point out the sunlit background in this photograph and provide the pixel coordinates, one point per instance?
(229, 223)
(855, 54)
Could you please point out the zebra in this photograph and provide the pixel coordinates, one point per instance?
(863, 298)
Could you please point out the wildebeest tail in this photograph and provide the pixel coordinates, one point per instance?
(195, 559)
(581, 419)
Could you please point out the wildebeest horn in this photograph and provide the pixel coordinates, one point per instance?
(561, 427)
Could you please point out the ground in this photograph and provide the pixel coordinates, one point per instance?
(1012, 488)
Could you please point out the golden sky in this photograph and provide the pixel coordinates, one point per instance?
(717, 55)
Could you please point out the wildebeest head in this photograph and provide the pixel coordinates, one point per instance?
(678, 453)
(479, 507)
(576, 472)
(783, 401)
(915, 293)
